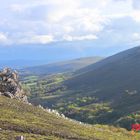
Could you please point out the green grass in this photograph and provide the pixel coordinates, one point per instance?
(11, 135)
(17, 118)
(84, 104)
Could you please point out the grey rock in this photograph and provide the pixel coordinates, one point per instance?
(20, 138)
(10, 85)
(1, 93)
(8, 94)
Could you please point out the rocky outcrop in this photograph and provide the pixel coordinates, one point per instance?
(10, 85)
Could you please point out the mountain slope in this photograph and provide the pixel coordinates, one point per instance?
(115, 81)
(106, 92)
(34, 123)
(113, 75)
(60, 67)
(125, 64)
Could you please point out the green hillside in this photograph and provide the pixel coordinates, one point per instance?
(106, 92)
(34, 123)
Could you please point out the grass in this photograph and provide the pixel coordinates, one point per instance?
(17, 118)
(85, 104)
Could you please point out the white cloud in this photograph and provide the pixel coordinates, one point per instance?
(68, 29)
(136, 36)
(136, 4)
(79, 38)
(17, 8)
(3, 39)
(48, 21)
(136, 15)
(60, 9)
(43, 39)
(36, 39)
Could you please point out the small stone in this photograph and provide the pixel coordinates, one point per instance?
(20, 138)
(1, 93)
(8, 94)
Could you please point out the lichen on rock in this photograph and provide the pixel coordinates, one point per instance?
(10, 85)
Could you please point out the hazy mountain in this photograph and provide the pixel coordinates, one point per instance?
(60, 67)
(19, 63)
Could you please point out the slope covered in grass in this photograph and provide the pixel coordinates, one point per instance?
(17, 118)
(106, 92)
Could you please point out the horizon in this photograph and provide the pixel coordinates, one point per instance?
(24, 63)
(57, 30)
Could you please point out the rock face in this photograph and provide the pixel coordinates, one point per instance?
(10, 85)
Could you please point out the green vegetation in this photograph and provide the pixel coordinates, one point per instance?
(49, 91)
(44, 86)
(17, 118)
(102, 93)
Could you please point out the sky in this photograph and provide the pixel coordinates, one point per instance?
(55, 30)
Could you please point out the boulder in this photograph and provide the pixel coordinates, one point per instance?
(10, 85)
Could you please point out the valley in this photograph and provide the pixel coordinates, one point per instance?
(70, 70)
(101, 93)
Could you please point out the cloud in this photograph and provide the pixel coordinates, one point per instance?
(136, 15)
(3, 39)
(80, 38)
(36, 39)
(42, 39)
(48, 21)
(136, 4)
(136, 36)
(55, 17)
(17, 8)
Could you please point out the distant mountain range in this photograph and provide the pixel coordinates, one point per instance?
(18, 64)
(61, 67)
(104, 92)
